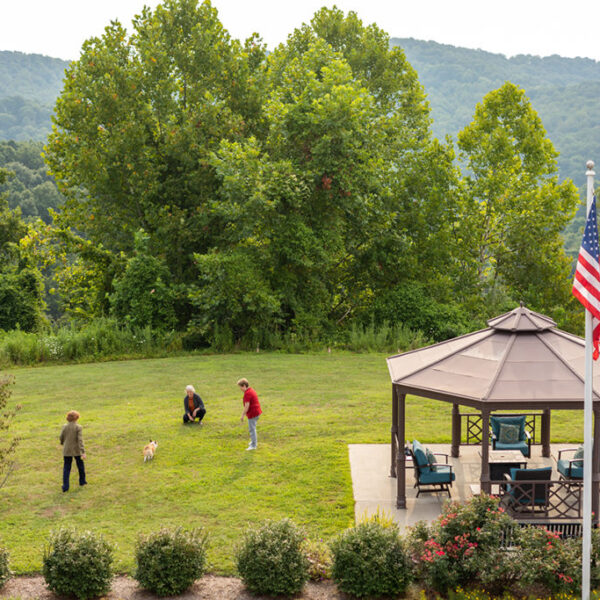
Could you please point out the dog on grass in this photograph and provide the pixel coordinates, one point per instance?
(149, 450)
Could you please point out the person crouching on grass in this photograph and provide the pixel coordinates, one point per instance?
(193, 406)
(252, 410)
(71, 438)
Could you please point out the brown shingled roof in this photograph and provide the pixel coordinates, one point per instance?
(521, 361)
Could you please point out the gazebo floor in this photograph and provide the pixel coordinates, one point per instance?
(374, 490)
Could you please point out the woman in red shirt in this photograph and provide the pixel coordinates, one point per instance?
(252, 410)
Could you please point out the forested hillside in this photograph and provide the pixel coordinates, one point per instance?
(29, 85)
(29, 185)
(563, 91)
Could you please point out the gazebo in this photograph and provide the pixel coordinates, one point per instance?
(520, 362)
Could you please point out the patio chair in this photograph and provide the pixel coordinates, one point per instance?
(430, 475)
(509, 433)
(528, 497)
(570, 468)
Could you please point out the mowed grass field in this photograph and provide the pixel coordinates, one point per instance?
(314, 406)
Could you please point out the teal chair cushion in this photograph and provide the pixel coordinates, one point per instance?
(522, 446)
(576, 472)
(420, 456)
(496, 421)
(442, 475)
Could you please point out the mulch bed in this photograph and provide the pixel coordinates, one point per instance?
(210, 587)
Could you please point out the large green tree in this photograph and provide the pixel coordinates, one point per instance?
(137, 120)
(515, 208)
(312, 170)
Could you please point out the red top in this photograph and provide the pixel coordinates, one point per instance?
(251, 398)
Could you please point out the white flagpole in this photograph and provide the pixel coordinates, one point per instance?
(587, 427)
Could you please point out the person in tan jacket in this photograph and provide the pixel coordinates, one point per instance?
(71, 438)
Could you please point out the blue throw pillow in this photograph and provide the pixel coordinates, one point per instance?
(578, 454)
(508, 434)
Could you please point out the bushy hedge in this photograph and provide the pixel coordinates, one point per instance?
(170, 560)
(370, 560)
(78, 564)
(271, 559)
(5, 572)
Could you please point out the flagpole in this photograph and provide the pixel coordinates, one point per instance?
(587, 427)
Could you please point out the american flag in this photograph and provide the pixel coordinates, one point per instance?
(586, 286)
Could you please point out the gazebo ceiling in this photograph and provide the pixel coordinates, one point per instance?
(520, 361)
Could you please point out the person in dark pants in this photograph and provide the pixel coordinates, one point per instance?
(71, 438)
(193, 406)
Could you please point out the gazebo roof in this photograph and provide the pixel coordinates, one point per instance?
(520, 361)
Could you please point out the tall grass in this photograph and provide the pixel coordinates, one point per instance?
(102, 339)
(106, 339)
(386, 338)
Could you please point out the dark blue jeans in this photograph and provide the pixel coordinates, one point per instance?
(199, 415)
(67, 471)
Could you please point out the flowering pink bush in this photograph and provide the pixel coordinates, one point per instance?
(548, 562)
(463, 547)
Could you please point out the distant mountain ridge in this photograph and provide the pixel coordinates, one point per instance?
(563, 91)
(31, 76)
(29, 85)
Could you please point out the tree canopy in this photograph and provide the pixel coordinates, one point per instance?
(213, 186)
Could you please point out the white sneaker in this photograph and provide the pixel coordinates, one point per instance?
(250, 448)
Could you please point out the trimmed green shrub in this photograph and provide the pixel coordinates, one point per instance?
(271, 559)
(170, 560)
(78, 564)
(370, 560)
(5, 572)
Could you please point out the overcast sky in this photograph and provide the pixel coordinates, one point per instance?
(543, 27)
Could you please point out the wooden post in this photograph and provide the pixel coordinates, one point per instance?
(456, 433)
(401, 461)
(486, 486)
(394, 432)
(596, 467)
(546, 433)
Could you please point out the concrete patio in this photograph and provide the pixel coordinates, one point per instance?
(374, 489)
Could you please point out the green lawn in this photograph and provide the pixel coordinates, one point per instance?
(314, 406)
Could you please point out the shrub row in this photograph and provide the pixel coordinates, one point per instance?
(80, 564)
(460, 555)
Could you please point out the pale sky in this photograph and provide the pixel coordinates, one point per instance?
(541, 27)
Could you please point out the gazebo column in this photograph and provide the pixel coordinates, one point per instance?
(546, 433)
(455, 431)
(596, 466)
(400, 458)
(394, 432)
(486, 486)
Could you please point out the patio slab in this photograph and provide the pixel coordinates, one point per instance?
(374, 490)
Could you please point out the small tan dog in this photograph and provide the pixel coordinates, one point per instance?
(149, 450)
